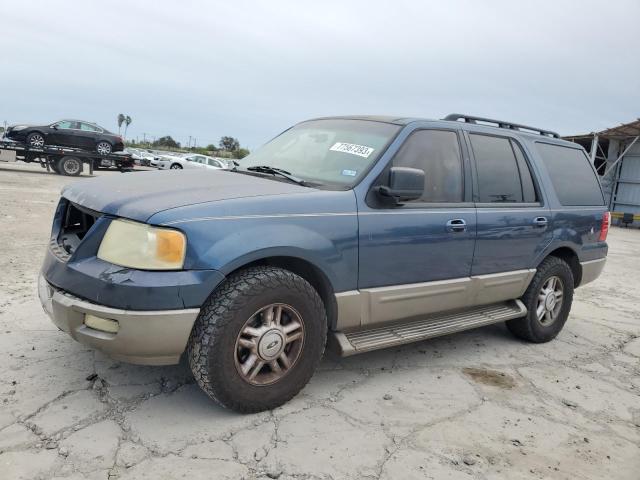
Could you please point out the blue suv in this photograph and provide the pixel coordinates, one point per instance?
(354, 232)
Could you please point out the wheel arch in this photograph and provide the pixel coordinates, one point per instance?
(307, 270)
(571, 258)
(31, 132)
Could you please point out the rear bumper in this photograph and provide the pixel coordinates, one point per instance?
(592, 270)
(149, 337)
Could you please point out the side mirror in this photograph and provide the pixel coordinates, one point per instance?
(405, 184)
(55, 127)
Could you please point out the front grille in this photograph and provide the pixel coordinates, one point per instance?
(76, 221)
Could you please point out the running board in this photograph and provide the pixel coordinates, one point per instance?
(350, 343)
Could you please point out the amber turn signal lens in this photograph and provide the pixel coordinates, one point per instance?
(170, 246)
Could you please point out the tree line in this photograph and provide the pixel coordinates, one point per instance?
(228, 147)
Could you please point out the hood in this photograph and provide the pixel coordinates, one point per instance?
(139, 195)
(21, 126)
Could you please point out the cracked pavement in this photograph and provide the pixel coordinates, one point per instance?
(475, 405)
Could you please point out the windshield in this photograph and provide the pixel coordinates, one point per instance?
(333, 151)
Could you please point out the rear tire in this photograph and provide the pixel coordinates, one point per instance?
(273, 305)
(104, 148)
(548, 301)
(69, 166)
(35, 140)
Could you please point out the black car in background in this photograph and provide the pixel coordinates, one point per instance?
(68, 133)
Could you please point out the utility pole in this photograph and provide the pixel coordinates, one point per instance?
(195, 143)
(144, 137)
(189, 144)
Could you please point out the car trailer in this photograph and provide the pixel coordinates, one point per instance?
(63, 160)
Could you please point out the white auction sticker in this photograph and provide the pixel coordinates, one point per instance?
(353, 149)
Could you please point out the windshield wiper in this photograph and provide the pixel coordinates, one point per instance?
(277, 171)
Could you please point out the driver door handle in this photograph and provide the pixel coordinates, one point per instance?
(456, 225)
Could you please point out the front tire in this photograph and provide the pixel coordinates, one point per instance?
(35, 140)
(175, 166)
(548, 300)
(104, 148)
(258, 339)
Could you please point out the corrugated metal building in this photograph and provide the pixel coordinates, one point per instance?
(616, 154)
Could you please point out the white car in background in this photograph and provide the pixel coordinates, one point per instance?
(191, 161)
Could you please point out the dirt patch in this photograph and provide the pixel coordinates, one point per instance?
(490, 377)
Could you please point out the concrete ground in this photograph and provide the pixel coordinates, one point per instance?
(476, 405)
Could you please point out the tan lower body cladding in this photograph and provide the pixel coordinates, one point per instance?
(378, 305)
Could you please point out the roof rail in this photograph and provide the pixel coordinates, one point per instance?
(500, 124)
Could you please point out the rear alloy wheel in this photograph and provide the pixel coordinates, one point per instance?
(103, 148)
(548, 300)
(35, 140)
(258, 339)
(70, 166)
(175, 166)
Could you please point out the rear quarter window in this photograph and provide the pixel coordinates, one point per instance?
(571, 174)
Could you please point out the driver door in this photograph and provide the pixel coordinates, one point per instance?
(416, 258)
(63, 133)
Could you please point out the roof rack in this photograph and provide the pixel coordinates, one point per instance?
(500, 124)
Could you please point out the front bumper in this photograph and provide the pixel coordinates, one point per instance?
(145, 337)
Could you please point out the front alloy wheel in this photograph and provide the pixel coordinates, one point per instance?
(35, 140)
(175, 166)
(269, 344)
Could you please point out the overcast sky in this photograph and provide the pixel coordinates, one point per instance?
(251, 69)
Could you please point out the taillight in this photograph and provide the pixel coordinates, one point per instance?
(604, 227)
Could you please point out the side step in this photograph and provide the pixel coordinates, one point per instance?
(392, 334)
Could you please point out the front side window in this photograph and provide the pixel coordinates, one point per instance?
(66, 124)
(334, 152)
(499, 170)
(437, 153)
(573, 178)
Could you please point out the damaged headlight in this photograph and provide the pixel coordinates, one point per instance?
(138, 245)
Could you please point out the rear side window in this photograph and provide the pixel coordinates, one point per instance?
(437, 152)
(88, 128)
(571, 174)
(503, 172)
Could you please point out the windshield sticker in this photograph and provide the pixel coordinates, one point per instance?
(353, 149)
(349, 173)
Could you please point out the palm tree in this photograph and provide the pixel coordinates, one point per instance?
(121, 119)
(127, 122)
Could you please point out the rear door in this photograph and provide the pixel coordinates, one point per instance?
(514, 222)
(87, 135)
(214, 164)
(192, 161)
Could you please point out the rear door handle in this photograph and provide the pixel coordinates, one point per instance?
(456, 225)
(540, 221)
